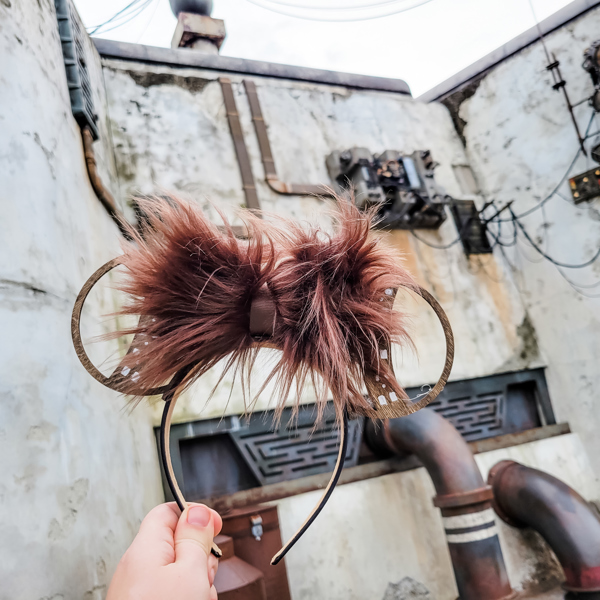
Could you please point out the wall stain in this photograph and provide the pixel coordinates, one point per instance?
(454, 100)
(546, 570)
(530, 349)
(96, 593)
(147, 80)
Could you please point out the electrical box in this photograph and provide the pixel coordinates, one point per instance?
(585, 186)
(72, 37)
(402, 186)
(471, 228)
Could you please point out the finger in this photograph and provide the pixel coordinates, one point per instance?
(217, 520)
(161, 516)
(154, 544)
(194, 535)
(213, 593)
(213, 565)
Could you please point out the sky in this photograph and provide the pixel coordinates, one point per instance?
(424, 46)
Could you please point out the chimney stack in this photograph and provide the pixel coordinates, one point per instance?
(196, 29)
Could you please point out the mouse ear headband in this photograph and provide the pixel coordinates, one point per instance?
(204, 296)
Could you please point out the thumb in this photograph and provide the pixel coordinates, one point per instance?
(194, 535)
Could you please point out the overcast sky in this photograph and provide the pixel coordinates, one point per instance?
(424, 46)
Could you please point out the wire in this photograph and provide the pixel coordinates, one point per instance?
(540, 33)
(122, 17)
(546, 256)
(129, 18)
(462, 230)
(95, 28)
(497, 236)
(149, 21)
(557, 187)
(445, 247)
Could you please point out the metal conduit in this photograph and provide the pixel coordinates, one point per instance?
(526, 497)
(462, 496)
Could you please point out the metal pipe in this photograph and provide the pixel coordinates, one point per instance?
(526, 497)
(273, 181)
(105, 197)
(462, 496)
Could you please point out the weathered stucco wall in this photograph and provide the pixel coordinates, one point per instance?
(520, 142)
(78, 472)
(171, 134)
(378, 531)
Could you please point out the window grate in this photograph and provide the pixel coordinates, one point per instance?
(495, 405)
(218, 457)
(295, 448)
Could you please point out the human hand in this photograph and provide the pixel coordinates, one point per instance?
(170, 556)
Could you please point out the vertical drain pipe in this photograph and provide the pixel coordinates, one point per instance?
(462, 496)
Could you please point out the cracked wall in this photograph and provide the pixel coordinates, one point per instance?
(171, 134)
(520, 141)
(82, 471)
(78, 472)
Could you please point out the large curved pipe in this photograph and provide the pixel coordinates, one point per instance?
(526, 497)
(462, 495)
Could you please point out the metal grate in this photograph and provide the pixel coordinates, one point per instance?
(217, 457)
(495, 405)
(73, 38)
(295, 448)
(475, 417)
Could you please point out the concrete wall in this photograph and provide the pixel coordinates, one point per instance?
(78, 472)
(170, 132)
(520, 142)
(378, 531)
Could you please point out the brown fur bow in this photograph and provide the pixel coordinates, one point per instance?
(193, 284)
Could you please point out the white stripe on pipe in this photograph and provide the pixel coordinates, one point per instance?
(472, 536)
(470, 519)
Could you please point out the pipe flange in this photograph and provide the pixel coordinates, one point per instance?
(482, 494)
(494, 479)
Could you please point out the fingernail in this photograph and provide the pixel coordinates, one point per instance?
(213, 574)
(199, 515)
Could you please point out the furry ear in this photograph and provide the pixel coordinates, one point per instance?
(193, 285)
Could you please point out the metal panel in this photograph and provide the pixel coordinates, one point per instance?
(495, 405)
(254, 452)
(72, 37)
(471, 228)
(295, 448)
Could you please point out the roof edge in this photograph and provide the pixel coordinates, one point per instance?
(189, 58)
(555, 21)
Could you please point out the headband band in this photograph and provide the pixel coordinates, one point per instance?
(262, 320)
(324, 300)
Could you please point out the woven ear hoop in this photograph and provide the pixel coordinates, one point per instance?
(171, 390)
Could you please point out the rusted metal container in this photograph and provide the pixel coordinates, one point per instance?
(257, 538)
(235, 578)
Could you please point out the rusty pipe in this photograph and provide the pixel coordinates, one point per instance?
(105, 197)
(462, 496)
(526, 497)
